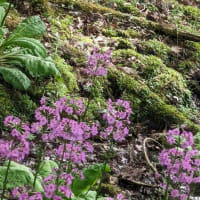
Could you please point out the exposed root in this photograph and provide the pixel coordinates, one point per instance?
(146, 140)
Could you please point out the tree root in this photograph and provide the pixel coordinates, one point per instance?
(146, 140)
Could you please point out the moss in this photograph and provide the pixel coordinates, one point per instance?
(129, 33)
(155, 47)
(171, 86)
(126, 7)
(193, 50)
(191, 12)
(154, 107)
(95, 109)
(153, 66)
(110, 189)
(7, 107)
(15, 103)
(164, 81)
(61, 27)
(110, 32)
(56, 89)
(24, 105)
(68, 76)
(128, 57)
(122, 43)
(90, 7)
(186, 66)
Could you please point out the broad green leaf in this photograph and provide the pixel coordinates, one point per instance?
(2, 14)
(19, 175)
(15, 77)
(46, 167)
(91, 175)
(34, 45)
(4, 4)
(90, 195)
(36, 66)
(31, 27)
(3, 31)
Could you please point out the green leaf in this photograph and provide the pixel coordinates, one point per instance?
(4, 4)
(91, 175)
(91, 195)
(46, 167)
(2, 14)
(34, 45)
(31, 27)
(3, 31)
(15, 77)
(36, 66)
(18, 175)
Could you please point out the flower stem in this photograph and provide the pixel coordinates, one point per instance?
(38, 165)
(108, 156)
(4, 18)
(5, 180)
(60, 166)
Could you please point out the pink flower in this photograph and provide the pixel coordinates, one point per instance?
(175, 193)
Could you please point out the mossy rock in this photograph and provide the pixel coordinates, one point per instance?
(89, 7)
(124, 7)
(128, 58)
(153, 66)
(129, 33)
(152, 105)
(155, 47)
(68, 76)
(192, 12)
(186, 66)
(122, 43)
(171, 87)
(193, 50)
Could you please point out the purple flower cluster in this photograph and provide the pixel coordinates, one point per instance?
(97, 63)
(60, 123)
(16, 146)
(21, 194)
(61, 126)
(181, 162)
(117, 120)
(64, 188)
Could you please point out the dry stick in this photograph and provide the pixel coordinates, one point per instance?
(141, 183)
(145, 152)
